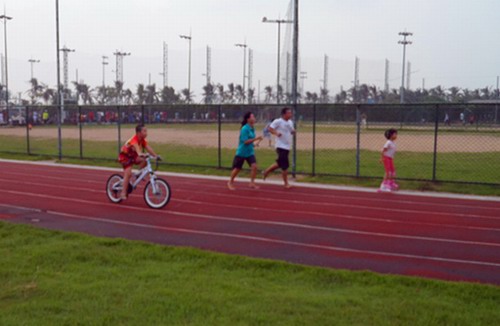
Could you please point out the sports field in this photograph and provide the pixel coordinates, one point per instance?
(463, 153)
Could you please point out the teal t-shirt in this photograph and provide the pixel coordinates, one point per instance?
(246, 133)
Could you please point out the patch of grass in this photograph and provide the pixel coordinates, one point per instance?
(55, 278)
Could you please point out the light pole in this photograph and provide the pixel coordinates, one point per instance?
(32, 62)
(189, 38)
(303, 77)
(404, 42)
(104, 64)
(244, 47)
(279, 22)
(59, 97)
(5, 19)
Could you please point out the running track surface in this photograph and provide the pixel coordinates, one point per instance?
(445, 238)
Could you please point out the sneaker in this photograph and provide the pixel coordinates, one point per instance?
(394, 186)
(385, 187)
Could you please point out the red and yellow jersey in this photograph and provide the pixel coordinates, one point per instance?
(129, 149)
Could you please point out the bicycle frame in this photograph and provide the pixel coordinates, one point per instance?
(143, 173)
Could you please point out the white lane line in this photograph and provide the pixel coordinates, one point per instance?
(302, 202)
(296, 184)
(261, 222)
(283, 211)
(275, 241)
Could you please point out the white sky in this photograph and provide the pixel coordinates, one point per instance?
(455, 41)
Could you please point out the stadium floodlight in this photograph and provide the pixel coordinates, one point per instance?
(279, 22)
(189, 38)
(404, 42)
(32, 63)
(5, 19)
(244, 47)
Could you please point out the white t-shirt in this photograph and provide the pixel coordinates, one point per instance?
(285, 128)
(391, 149)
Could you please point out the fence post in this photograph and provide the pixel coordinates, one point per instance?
(80, 127)
(142, 115)
(120, 129)
(314, 141)
(436, 127)
(28, 150)
(219, 136)
(358, 139)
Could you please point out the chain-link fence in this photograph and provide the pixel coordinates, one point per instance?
(436, 142)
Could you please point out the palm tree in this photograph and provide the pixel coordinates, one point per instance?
(35, 90)
(208, 93)
(269, 93)
(239, 93)
(230, 93)
(168, 96)
(83, 90)
(311, 97)
(324, 97)
(221, 93)
(140, 94)
(279, 94)
(151, 95)
(188, 96)
(49, 95)
(251, 95)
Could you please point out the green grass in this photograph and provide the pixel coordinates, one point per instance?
(56, 278)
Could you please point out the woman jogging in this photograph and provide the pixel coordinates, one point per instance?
(245, 151)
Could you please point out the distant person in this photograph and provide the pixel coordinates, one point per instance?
(388, 152)
(462, 118)
(35, 117)
(447, 119)
(267, 134)
(245, 151)
(364, 119)
(1, 118)
(283, 130)
(472, 119)
(45, 117)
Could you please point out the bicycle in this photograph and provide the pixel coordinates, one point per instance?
(156, 193)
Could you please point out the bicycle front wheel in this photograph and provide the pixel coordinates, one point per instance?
(161, 197)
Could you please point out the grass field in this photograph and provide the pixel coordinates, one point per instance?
(55, 278)
(476, 167)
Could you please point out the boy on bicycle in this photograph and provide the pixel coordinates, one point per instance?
(132, 152)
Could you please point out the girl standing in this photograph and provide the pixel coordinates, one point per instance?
(389, 184)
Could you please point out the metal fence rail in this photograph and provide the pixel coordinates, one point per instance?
(436, 142)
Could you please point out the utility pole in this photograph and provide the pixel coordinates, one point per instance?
(303, 77)
(119, 64)
(356, 79)
(279, 22)
(250, 70)
(408, 76)
(65, 52)
(164, 74)
(104, 64)
(325, 73)
(5, 19)
(386, 77)
(208, 74)
(423, 84)
(2, 59)
(244, 47)
(404, 42)
(32, 62)
(189, 38)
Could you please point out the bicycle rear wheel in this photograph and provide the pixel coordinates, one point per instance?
(114, 187)
(161, 197)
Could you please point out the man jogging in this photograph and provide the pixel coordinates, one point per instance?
(283, 130)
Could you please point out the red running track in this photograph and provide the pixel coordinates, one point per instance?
(435, 237)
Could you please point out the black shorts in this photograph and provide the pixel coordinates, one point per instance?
(239, 161)
(282, 160)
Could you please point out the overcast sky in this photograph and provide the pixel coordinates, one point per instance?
(455, 42)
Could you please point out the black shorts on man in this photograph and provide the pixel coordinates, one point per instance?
(282, 160)
(239, 161)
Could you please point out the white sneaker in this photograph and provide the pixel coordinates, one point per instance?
(384, 188)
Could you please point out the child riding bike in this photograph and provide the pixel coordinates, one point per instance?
(132, 153)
